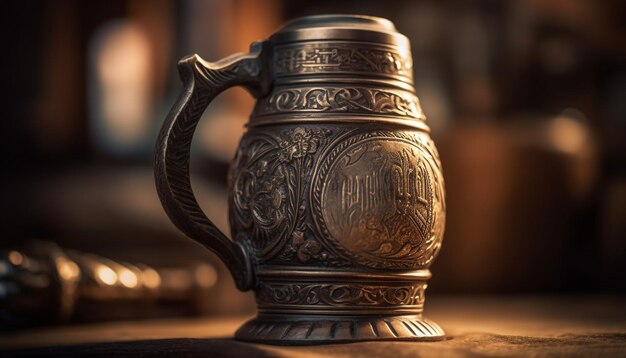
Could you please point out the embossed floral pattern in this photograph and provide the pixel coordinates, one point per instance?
(304, 249)
(300, 142)
(269, 196)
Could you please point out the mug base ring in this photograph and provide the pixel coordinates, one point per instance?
(311, 330)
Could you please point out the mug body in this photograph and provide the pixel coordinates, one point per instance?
(342, 220)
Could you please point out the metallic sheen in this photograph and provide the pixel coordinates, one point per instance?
(337, 201)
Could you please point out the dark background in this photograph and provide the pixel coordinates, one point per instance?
(526, 100)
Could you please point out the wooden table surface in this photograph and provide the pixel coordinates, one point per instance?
(476, 327)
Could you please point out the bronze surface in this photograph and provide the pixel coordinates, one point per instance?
(337, 202)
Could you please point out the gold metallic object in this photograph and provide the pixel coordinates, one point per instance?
(43, 283)
(337, 202)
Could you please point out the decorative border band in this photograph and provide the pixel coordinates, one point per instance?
(344, 295)
(348, 99)
(345, 57)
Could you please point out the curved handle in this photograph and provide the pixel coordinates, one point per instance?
(203, 81)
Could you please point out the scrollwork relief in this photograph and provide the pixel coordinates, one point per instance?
(340, 100)
(268, 195)
(340, 294)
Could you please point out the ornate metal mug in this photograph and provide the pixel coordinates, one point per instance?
(337, 202)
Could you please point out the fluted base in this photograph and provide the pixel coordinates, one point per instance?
(308, 330)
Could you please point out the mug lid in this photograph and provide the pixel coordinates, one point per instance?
(341, 27)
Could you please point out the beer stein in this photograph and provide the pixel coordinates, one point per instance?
(336, 196)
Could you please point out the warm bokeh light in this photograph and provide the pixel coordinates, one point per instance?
(68, 270)
(127, 278)
(106, 275)
(568, 134)
(15, 258)
(150, 278)
(123, 69)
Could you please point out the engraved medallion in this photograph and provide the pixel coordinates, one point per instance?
(376, 200)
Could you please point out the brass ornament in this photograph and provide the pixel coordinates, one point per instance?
(336, 196)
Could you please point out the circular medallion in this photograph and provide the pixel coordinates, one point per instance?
(376, 199)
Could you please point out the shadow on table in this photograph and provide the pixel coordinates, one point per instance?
(468, 345)
(187, 347)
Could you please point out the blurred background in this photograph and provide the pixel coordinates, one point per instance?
(526, 101)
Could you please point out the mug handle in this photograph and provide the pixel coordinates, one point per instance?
(203, 81)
